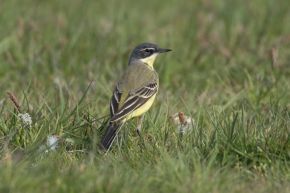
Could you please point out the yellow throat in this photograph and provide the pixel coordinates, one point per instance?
(149, 60)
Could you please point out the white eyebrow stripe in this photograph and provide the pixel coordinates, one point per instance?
(147, 49)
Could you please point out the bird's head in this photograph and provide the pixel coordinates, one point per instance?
(146, 53)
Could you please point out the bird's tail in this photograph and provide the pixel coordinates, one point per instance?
(109, 136)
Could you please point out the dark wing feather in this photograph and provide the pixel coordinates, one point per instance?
(115, 100)
(135, 100)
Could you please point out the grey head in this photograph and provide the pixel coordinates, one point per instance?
(146, 50)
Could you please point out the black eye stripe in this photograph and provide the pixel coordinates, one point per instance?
(146, 51)
(149, 51)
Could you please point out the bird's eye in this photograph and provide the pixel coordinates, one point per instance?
(148, 50)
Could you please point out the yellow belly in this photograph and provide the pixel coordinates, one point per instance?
(143, 109)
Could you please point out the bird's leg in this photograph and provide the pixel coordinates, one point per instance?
(139, 125)
(138, 130)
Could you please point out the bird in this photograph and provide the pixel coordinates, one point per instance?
(135, 91)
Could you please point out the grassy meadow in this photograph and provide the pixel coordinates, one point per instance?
(229, 70)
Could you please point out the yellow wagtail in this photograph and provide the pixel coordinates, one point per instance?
(135, 91)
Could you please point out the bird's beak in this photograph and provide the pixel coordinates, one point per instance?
(163, 50)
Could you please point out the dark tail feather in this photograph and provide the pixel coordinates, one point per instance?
(109, 136)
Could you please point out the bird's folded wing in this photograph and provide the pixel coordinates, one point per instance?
(133, 101)
(115, 101)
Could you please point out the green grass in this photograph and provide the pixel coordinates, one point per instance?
(61, 60)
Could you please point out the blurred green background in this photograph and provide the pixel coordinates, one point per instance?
(229, 70)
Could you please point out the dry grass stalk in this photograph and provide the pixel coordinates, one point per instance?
(14, 100)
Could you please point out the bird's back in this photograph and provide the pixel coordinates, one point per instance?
(136, 76)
